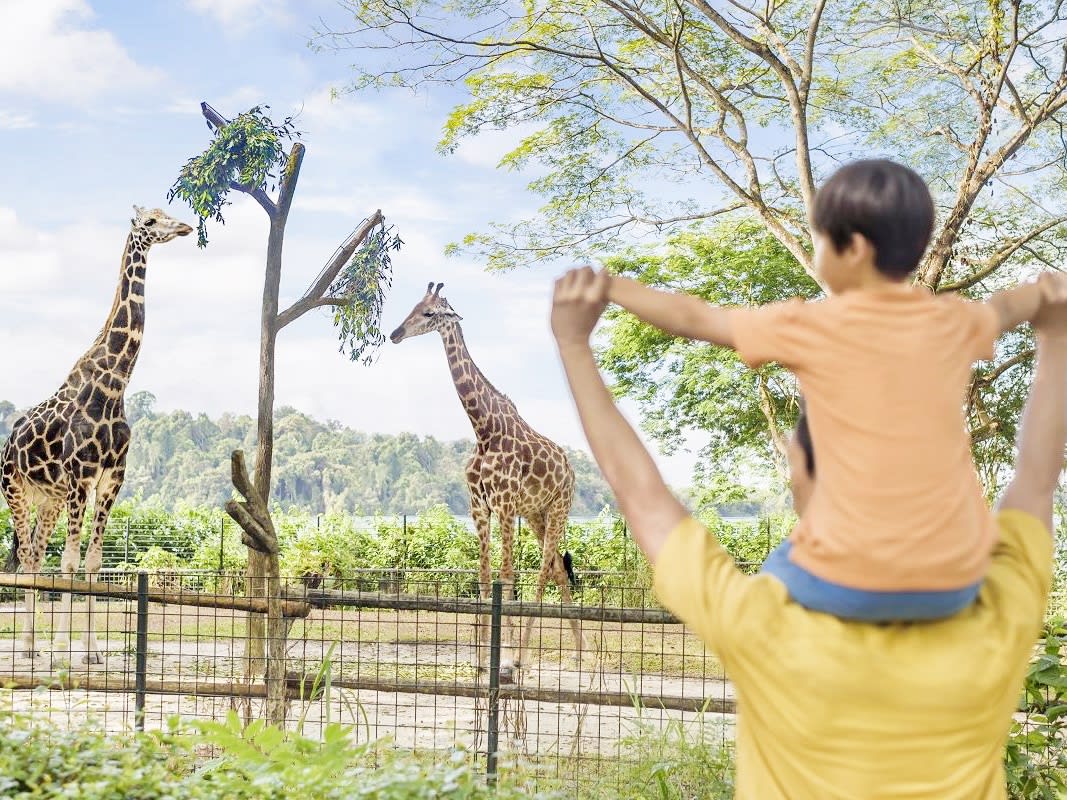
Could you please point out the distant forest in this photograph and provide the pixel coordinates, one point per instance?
(322, 466)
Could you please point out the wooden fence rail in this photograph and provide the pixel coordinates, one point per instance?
(47, 583)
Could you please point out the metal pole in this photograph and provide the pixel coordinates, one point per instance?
(141, 667)
(126, 556)
(494, 682)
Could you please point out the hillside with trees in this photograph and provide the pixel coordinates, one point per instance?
(182, 458)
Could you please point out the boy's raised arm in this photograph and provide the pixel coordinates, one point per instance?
(1023, 302)
(677, 314)
(650, 508)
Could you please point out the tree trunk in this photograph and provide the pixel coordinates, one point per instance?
(258, 568)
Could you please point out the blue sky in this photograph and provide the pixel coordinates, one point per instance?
(99, 108)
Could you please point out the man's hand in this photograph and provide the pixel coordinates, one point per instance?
(579, 299)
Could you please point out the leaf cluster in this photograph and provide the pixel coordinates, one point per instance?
(1035, 759)
(362, 285)
(246, 153)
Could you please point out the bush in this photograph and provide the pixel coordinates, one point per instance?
(682, 762)
(1036, 758)
(254, 763)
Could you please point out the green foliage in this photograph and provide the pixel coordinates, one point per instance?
(681, 385)
(253, 763)
(248, 151)
(681, 762)
(1035, 760)
(181, 460)
(363, 283)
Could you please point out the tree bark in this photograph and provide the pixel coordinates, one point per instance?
(263, 571)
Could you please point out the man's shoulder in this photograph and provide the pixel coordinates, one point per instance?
(698, 581)
(1020, 572)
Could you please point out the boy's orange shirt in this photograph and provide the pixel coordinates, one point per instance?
(897, 505)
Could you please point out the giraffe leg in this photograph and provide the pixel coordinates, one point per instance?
(47, 516)
(19, 504)
(481, 514)
(552, 567)
(537, 525)
(68, 564)
(509, 660)
(106, 492)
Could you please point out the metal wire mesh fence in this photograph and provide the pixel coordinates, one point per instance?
(427, 668)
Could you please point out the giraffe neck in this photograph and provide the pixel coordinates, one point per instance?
(116, 347)
(485, 405)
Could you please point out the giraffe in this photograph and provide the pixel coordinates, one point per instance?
(75, 442)
(514, 471)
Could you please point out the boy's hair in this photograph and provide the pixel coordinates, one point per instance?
(887, 203)
(803, 434)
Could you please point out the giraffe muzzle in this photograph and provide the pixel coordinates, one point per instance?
(397, 336)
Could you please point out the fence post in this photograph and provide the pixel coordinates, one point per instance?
(141, 648)
(494, 683)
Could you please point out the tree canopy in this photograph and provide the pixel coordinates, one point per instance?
(637, 119)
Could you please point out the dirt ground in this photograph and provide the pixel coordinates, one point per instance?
(194, 646)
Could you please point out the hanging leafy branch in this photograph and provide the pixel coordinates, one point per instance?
(361, 286)
(247, 154)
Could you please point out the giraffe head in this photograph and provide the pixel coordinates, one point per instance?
(152, 226)
(429, 314)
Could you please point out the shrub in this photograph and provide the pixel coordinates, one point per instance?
(1036, 758)
(254, 763)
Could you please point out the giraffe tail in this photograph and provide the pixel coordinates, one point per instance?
(568, 565)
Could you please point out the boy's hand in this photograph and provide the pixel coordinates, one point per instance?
(579, 299)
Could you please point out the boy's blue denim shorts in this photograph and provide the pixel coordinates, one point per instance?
(865, 606)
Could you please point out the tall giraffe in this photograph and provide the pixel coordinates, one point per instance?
(75, 442)
(514, 471)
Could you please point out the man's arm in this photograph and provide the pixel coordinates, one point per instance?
(651, 510)
(1043, 431)
(677, 314)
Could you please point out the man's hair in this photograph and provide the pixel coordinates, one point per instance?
(803, 434)
(885, 202)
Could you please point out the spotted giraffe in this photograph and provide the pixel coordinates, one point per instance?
(514, 472)
(74, 443)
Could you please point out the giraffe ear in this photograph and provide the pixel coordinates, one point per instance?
(138, 209)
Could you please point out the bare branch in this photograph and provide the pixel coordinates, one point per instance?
(329, 273)
(1002, 254)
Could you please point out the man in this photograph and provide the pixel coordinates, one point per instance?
(827, 708)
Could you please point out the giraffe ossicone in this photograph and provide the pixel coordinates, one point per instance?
(513, 472)
(73, 445)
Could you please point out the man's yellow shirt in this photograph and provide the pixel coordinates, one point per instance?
(859, 711)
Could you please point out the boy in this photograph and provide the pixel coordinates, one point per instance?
(897, 527)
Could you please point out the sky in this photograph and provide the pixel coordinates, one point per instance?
(99, 109)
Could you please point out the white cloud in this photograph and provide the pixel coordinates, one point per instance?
(14, 120)
(49, 50)
(241, 15)
(229, 104)
(323, 110)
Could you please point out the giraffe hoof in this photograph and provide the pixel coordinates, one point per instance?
(507, 675)
(92, 658)
(30, 653)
